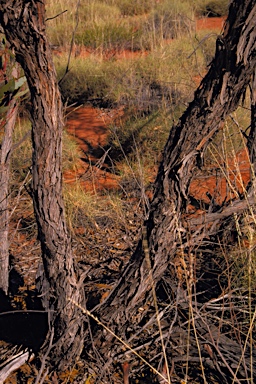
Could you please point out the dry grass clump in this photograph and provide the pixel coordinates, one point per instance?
(211, 7)
(21, 156)
(220, 276)
(121, 24)
(131, 8)
(118, 24)
(98, 25)
(167, 75)
(168, 20)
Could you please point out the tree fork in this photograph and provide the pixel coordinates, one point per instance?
(217, 96)
(167, 232)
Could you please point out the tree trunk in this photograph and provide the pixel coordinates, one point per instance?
(24, 25)
(252, 134)
(5, 152)
(168, 234)
(217, 96)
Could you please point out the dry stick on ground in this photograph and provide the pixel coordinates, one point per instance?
(219, 93)
(15, 363)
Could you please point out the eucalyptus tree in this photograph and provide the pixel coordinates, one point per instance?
(23, 23)
(165, 261)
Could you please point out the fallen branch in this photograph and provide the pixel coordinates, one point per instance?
(15, 363)
(237, 207)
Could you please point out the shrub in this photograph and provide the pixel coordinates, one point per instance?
(109, 36)
(170, 19)
(211, 7)
(93, 16)
(162, 77)
(131, 8)
(86, 80)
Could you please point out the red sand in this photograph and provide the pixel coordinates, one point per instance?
(210, 23)
(90, 128)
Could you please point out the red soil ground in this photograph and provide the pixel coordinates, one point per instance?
(108, 54)
(90, 128)
(223, 184)
(211, 23)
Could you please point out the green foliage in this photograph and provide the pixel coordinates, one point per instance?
(11, 90)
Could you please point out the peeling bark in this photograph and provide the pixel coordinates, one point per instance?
(252, 134)
(24, 25)
(168, 234)
(5, 151)
(218, 95)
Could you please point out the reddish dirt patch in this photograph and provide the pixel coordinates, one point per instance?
(215, 23)
(223, 185)
(128, 54)
(106, 54)
(90, 128)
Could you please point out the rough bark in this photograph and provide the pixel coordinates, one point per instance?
(168, 234)
(252, 134)
(5, 151)
(217, 96)
(24, 25)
